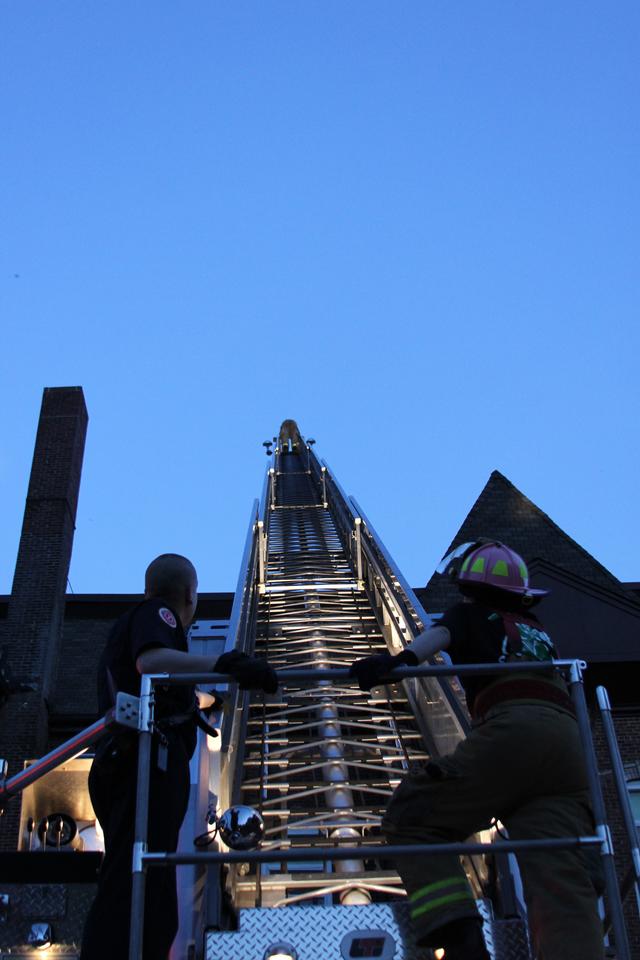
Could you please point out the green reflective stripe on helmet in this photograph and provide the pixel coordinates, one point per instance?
(524, 573)
(433, 887)
(440, 902)
(465, 564)
(500, 569)
(478, 565)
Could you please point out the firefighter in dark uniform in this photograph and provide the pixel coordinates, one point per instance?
(521, 763)
(151, 638)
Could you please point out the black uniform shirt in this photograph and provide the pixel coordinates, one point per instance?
(478, 635)
(150, 625)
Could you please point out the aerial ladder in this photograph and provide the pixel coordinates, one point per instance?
(290, 863)
(320, 759)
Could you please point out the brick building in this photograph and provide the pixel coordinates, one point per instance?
(53, 642)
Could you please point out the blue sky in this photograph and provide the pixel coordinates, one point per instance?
(411, 226)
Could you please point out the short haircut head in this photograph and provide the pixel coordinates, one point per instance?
(169, 576)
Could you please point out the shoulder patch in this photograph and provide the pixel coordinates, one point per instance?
(167, 616)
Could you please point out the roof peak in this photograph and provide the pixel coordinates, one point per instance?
(503, 511)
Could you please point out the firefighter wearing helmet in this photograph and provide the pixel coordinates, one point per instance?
(521, 763)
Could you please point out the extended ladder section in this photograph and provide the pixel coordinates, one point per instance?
(319, 760)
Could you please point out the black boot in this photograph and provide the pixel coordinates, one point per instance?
(462, 940)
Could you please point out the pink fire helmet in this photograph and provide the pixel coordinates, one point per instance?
(489, 563)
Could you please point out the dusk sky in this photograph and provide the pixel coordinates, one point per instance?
(411, 226)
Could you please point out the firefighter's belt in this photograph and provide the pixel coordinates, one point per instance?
(520, 690)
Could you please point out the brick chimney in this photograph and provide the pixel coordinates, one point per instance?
(36, 608)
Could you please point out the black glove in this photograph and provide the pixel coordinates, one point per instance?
(370, 671)
(252, 673)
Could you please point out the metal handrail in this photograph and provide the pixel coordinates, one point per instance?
(65, 751)
(265, 496)
(336, 483)
(399, 673)
(383, 565)
(621, 789)
(602, 836)
(388, 851)
(236, 635)
(424, 620)
(244, 584)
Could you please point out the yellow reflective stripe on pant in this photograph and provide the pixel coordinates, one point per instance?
(438, 894)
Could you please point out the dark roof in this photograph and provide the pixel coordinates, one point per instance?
(589, 613)
(503, 512)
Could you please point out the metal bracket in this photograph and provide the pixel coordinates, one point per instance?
(140, 850)
(357, 536)
(147, 702)
(603, 699)
(603, 831)
(576, 670)
(127, 711)
(272, 472)
(262, 553)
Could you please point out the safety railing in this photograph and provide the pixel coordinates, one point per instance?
(125, 713)
(632, 879)
(377, 572)
(139, 714)
(414, 614)
(143, 859)
(243, 600)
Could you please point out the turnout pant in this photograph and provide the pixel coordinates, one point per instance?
(112, 786)
(522, 765)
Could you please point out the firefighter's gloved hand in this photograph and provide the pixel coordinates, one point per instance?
(371, 671)
(252, 673)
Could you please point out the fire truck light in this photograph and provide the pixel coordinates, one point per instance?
(281, 951)
(40, 936)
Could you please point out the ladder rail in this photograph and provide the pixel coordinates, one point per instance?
(620, 781)
(377, 557)
(71, 748)
(576, 688)
(237, 635)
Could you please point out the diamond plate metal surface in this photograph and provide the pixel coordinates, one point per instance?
(43, 900)
(317, 933)
(67, 926)
(511, 940)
